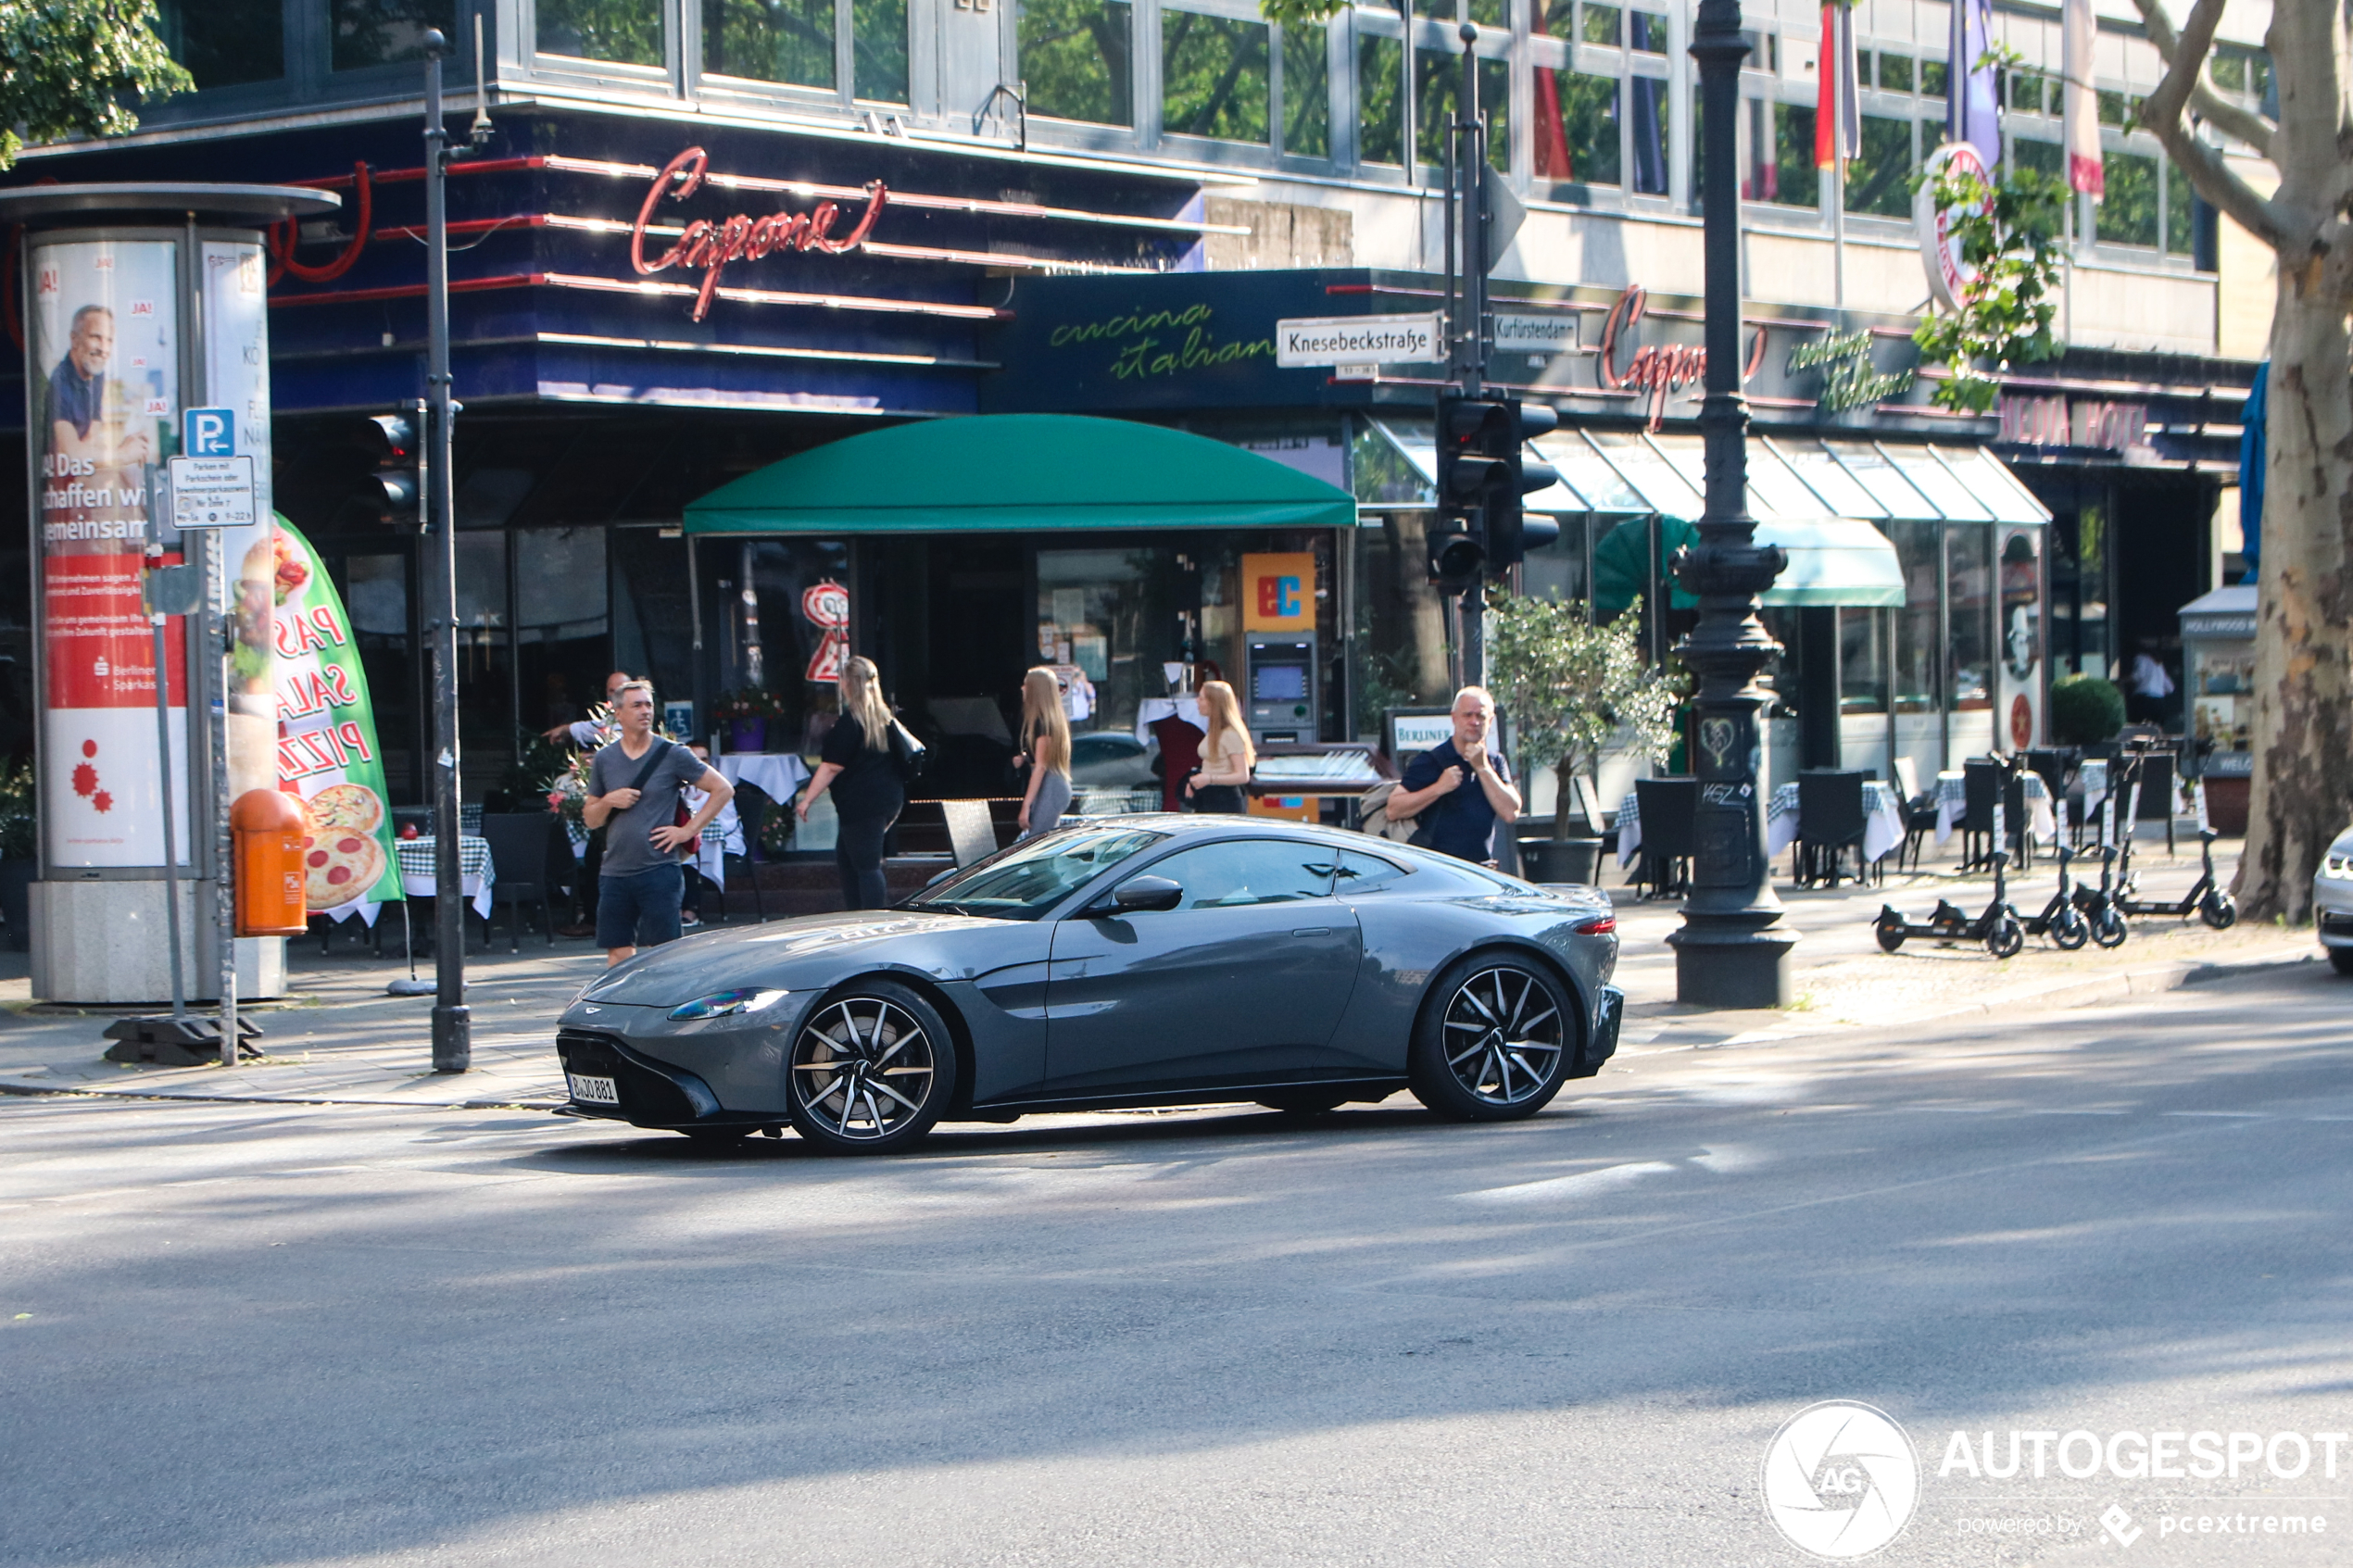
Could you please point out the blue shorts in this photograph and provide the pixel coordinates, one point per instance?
(639, 910)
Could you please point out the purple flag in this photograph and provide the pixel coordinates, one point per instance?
(1972, 112)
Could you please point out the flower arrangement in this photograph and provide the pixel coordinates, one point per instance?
(748, 702)
(568, 790)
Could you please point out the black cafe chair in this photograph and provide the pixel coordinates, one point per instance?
(1830, 820)
(2156, 790)
(1917, 808)
(1980, 778)
(1670, 809)
(519, 857)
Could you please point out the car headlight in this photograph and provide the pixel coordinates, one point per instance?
(719, 1004)
(2339, 863)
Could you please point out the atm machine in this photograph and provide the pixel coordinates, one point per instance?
(1281, 697)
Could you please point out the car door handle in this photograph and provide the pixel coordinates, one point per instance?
(1313, 931)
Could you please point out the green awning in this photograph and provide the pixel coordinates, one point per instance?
(1021, 472)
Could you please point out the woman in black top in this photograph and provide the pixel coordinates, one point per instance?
(856, 764)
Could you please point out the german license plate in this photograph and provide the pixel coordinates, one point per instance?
(596, 1091)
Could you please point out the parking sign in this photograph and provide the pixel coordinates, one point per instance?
(208, 433)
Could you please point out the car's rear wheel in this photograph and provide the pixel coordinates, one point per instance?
(1495, 1041)
(872, 1069)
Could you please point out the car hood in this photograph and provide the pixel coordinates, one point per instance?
(753, 955)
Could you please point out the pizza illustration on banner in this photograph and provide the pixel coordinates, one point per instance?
(827, 606)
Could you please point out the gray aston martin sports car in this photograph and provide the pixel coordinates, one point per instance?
(1140, 961)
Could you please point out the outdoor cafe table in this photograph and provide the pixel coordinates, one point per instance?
(1952, 804)
(475, 869)
(1882, 822)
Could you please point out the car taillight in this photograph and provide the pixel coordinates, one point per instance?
(1599, 926)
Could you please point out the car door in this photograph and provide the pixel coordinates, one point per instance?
(1243, 982)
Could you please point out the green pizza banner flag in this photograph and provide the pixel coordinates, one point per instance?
(327, 751)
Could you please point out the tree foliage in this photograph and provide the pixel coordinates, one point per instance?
(2012, 231)
(69, 66)
(1296, 13)
(2302, 732)
(1572, 689)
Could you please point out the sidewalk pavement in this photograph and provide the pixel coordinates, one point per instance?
(340, 1040)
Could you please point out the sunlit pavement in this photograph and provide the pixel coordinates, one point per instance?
(265, 1334)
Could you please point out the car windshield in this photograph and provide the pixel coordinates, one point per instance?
(1023, 883)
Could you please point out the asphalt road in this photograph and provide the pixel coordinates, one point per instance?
(236, 1335)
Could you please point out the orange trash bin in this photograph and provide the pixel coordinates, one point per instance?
(269, 827)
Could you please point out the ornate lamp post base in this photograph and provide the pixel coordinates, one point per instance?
(1734, 963)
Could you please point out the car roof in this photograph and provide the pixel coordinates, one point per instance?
(1197, 823)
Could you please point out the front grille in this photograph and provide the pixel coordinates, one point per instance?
(648, 1098)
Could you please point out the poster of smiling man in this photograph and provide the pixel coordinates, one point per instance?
(106, 399)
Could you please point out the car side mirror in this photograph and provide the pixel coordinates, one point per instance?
(1139, 894)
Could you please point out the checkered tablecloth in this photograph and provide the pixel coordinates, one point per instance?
(1883, 818)
(475, 869)
(1952, 804)
(1882, 824)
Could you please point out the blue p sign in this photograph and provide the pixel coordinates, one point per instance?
(208, 433)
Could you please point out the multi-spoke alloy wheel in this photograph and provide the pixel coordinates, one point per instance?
(872, 1069)
(1496, 1042)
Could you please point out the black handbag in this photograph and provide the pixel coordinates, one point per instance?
(908, 754)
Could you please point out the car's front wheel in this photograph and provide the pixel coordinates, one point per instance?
(1495, 1042)
(873, 1067)
(2341, 959)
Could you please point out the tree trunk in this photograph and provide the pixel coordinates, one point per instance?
(1563, 796)
(2303, 730)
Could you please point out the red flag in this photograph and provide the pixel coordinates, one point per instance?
(1838, 116)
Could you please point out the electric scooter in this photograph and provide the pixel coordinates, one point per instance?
(2098, 904)
(2061, 919)
(2205, 898)
(1996, 925)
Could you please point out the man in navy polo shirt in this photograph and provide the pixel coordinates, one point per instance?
(1459, 789)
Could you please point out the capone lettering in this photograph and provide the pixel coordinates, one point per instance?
(711, 246)
(1657, 370)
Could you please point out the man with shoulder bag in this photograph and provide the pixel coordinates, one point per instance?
(633, 788)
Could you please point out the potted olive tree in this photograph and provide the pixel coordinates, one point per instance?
(1573, 689)
(19, 824)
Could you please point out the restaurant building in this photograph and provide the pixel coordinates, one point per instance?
(698, 239)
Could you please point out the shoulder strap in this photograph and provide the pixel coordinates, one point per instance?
(655, 757)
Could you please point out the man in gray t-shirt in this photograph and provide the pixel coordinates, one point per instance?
(640, 883)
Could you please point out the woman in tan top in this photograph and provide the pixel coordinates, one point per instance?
(1226, 756)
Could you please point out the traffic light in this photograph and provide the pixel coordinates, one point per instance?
(395, 491)
(1483, 471)
(1457, 552)
(1511, 533)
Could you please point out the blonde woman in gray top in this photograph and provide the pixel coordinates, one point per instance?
(1226, 756)
(1045, 740)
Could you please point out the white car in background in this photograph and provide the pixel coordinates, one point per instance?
(2333, 902)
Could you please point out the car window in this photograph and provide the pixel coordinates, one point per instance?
(1250, 871)
(1026, 881)
(1365, 873)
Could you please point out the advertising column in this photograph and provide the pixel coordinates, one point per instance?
(106, 394)
(2018, 713)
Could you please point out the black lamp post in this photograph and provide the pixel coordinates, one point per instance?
(1728, 953)
(452, 1018)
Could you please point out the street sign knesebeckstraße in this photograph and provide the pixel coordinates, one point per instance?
(212, 493)
(1302, 342)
